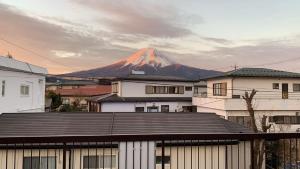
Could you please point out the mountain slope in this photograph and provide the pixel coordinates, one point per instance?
(151, 62)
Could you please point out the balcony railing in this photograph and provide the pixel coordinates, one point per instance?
(189, 151)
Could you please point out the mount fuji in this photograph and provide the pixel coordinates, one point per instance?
(149, 60)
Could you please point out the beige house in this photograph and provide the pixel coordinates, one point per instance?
(278, 97)
(121, 140)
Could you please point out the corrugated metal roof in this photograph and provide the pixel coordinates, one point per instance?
(11, 64)
(259, 72)
(105, 124)
(116, 98)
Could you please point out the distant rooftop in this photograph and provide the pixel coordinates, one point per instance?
(110, 124)
(141, 77)
(85, 91)
(258, 72)
(10, 64)
(115, 98)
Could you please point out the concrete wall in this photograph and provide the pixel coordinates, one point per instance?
(130, 106)
(13, 101)
(138, 89)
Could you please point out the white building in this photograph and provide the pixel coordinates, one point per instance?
(278, 97)
(146, 93)
(22, 86)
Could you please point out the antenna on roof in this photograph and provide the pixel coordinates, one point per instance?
(236, 67)
(9, 55)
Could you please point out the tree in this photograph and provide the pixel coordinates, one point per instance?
(258, 144)
(56, 99)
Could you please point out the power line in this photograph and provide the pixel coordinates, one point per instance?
(31, 51)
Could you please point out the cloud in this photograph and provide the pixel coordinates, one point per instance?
(134, 17)
(54, 44)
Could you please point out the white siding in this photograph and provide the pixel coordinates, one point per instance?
(130, 106)
(13, 101)
(138, 89)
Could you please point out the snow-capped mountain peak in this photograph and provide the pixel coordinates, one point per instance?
(147, 56)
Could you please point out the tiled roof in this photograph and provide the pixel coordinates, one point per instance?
(106, 124)
(259, 72)
(85, 91)
(116, 98)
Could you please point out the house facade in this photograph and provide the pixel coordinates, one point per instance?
(277, 97)
(90, 140)
(146, 93)
(22, 86)
(77, 91)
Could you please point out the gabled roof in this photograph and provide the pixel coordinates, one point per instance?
(10, 64)
(85, 91)
(258, 72)
(108, 124)
(116, 98)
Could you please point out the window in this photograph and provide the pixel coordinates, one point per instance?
(296, 87)
(242, 120)
(65, 101)
(149, 89)
(90, 162)
(275, 85)
(188, 88)
(152, 109)
(285, 119)
(167, 160)
(39, 163)
(139, 109)
(3, 88)
(189, 108)
(24, 90)
(164, 89)
(164, 108)
(115, 88)
(96, 162)
(220, 89)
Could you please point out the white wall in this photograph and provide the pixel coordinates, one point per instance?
(13, 101)
(130, 106)
(138, 89)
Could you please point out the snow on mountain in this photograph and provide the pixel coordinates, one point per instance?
(149, 60)
(147, 56)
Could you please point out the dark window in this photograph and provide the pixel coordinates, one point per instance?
(189, 108)
(139, 109)
(167, 159)
(220, 89)
(188, 88)
(3, 88)
(242, 120)
(275, 85)
(296, 87)
(149, 89)
(39, 163)
(285, 119)
(92, 162)
(164, 108)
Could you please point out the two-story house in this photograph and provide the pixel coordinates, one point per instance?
(146, 93)
(22, 86)
(278, 97)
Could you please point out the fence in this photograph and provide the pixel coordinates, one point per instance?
(188, 151)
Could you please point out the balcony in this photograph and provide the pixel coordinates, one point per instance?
(263, 104)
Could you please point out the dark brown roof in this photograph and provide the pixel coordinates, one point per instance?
(91, 90)
(107, 124)
(116, 98)
(154, 78)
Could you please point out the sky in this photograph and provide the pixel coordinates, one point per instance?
(72, 35)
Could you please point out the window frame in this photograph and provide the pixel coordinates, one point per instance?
(40, 160)
(139, 107)
(24, 90)
(165, 106)
(219, 89)
(276, 86)
(296, 84)
(3, 86)
(188, 88)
